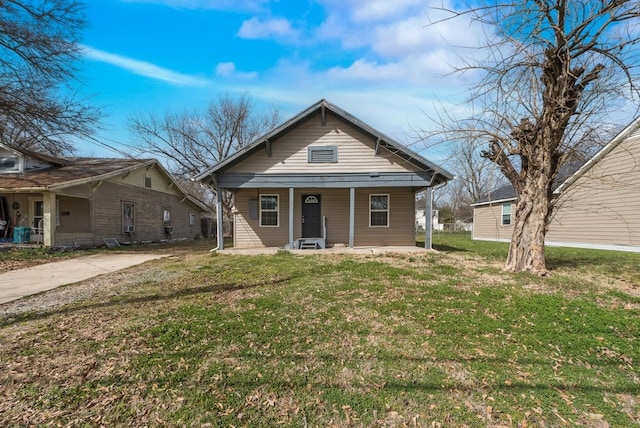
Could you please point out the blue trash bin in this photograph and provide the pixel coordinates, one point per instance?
(21, 235)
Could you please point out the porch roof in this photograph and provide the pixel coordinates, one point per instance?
(325, 180)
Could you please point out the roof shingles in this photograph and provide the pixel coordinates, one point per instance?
(75, 169)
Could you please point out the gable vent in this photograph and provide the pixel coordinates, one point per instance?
(322, 154)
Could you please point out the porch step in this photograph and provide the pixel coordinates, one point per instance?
(309, 245)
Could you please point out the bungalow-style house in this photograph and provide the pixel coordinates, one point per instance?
(321, 179)
(76, 201)
(597, 206)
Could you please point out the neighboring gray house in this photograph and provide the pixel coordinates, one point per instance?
(81, 201)
(324, 178)
(598, 205)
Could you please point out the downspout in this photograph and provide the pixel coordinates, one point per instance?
(214, 182)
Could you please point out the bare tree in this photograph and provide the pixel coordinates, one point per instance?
(554, 70)
(475, 176)
(191, 142)
(38, 50)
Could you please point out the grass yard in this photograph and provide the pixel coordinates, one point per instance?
(430, 340)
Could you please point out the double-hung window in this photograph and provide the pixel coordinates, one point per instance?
(506, 214)
(269, 206)
(379, 210)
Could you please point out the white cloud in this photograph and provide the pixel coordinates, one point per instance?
(366, 12)
(255, 28)
(230, 5)
(376, 10)
(367, 71)
(228, 70)
(143, 68)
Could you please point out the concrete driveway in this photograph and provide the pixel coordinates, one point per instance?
(23, 282)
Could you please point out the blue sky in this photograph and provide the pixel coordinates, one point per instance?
(378, 59)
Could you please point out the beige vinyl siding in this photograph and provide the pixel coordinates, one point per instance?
(356, 152)
(603, 206)
(335, 207)
(401, 229)
(248, 233)
(487, 223)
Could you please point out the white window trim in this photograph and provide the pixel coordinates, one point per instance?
(192, 219)
(502, 223)
(277, 210)
(388, 210)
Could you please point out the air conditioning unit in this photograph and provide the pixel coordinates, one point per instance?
(128, 229)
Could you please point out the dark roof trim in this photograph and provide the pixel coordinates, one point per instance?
(502, 194)
(322, 106)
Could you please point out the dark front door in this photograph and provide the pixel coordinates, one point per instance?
(311, 217)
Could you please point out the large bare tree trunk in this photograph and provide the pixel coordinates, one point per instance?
(526, 252)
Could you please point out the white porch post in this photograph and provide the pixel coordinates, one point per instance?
(219, 217)
(49, 219)
(291, 202)
(352, 216)
(428, 218)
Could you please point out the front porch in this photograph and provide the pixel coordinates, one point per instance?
(324, 218)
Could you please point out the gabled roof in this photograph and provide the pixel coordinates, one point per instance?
(440, 174)
(507, 192)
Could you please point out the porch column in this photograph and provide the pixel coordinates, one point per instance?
(219, 217)
(291, 201)
(352, 216)
(428, 218)
(49, 219)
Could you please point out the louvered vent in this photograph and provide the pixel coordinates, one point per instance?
(324, 154)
